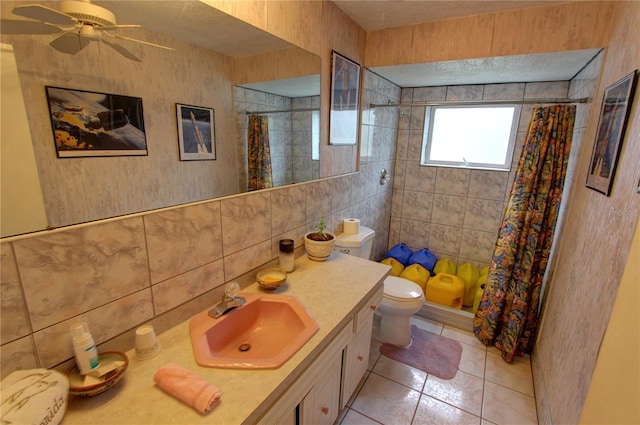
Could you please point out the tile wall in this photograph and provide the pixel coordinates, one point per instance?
(454, 212)
(163, 267)
(290, 135)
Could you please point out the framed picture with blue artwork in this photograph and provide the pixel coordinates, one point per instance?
(196, 132)
(614, 114)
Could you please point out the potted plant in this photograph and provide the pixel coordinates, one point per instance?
(319, 243)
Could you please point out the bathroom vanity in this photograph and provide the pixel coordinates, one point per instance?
(311, 387)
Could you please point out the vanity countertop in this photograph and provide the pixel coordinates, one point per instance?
(331, 291)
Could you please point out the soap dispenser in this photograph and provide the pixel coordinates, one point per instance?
(84, 348)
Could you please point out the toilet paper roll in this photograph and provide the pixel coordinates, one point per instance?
(351, 226)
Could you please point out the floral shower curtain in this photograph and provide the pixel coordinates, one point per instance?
(508, 313)
(259, 154)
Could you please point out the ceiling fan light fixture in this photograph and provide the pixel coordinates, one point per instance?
(88, 13)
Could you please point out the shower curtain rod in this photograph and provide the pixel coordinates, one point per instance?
(282, 111)
(481, 102)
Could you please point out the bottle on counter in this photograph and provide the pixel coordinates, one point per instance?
(84, 348)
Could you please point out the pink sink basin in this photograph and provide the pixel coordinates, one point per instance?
(262, 334)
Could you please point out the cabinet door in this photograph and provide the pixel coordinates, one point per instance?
(321, 405)
(357, 351)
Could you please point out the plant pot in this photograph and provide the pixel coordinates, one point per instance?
(319, 250)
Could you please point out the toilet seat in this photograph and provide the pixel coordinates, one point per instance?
(401, 290)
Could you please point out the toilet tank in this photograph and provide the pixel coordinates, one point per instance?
(357, 244)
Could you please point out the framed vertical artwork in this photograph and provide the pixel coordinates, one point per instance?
(610, 133)
(196, 132)
(87, 123)
(345, 101)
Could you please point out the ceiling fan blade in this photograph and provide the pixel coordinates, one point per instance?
(69, 43)
(12, 26)
(43, 13)
(119, 37)
(120, 49)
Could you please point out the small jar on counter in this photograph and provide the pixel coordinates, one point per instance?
(286, 255)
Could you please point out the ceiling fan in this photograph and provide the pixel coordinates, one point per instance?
(77, 21)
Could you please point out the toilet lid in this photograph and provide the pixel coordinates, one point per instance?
(399, 289)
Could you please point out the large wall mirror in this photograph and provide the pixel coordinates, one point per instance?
(219, 63)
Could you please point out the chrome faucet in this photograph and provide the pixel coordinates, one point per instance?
(229, 301)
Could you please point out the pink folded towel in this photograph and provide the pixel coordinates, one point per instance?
(187, 387)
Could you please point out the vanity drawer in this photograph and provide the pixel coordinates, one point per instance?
(364, 317)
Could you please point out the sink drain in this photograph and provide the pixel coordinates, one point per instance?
(244, 347)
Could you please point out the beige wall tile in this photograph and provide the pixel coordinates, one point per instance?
(181, 239)
(67, 273)
(14, 319)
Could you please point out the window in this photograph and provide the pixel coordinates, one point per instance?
(478, 136)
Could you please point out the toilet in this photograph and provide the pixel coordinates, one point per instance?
(401, 297)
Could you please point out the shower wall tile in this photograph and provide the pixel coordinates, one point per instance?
(448, 210)
(507, 91)
(488, 184)
(452, 181)
(484, 215)
(477, 245)
(287, 208)
(417, 206)
(465, 92)
(406, 95)
(417, 178)
(549, 89)
(65, 273)
(414, 233)
(399, 174)
(181, 239)
(429, 94)
(417, 117)
(445, 239)
(13, 311)
(396, 203)
(402, 144)
(53, 344)
(180, 289)
(18, 355)
(414, 148)
(246, 221)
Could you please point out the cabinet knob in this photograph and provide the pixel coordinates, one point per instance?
(325, 410)
(374, 307)
(360, 357)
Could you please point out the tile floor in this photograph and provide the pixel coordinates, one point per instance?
(485, 391)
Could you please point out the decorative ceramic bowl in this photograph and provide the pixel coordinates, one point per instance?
(271, 279)
(87, 385)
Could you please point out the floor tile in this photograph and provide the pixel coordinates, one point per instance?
(463, 391)
(432, 411)
(386, 401)
(401, 373)
(427, 325)
(354, 418)
(503, 406)
(516, 376)
(473, 360)
(466, 337)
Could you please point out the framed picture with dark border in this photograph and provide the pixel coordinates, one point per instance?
(345, 101)
(196, 132)
(87, 123)
(610, 133)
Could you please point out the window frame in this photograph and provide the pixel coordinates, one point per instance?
(427, 134)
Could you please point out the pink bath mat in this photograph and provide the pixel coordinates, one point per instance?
(431, 353)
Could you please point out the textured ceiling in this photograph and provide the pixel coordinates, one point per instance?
(380, 14)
